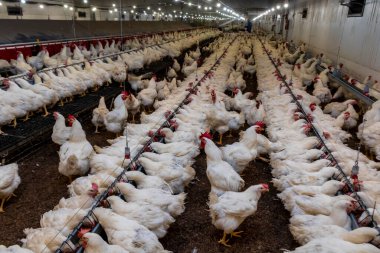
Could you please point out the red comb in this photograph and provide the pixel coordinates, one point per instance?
(83, 231)
(266, 186)
(94, 186)
(260, 124)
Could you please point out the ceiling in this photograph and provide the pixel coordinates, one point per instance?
(244, 7)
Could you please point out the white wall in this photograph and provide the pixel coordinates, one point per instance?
(354, 41)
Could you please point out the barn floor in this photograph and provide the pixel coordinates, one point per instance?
(266, 231)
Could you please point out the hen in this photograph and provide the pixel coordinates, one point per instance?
(127, 233)
(221, 175)
(173, 204)
(150, 216)
(133, 106)
(99, 114)
(93, 243)
(75, 153)
(232, 208)
(115, 119)
(61, 133)
(241, 153)
(9, 181)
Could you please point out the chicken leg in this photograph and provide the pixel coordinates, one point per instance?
(133, 119)
(96, 130)
(61, 103)
(15, 123)
(220, 139)
(2, 205)
(46, 111)
(26, 117)
(224, 241)
(230, 135)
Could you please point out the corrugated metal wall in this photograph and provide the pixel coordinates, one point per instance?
(354, 41)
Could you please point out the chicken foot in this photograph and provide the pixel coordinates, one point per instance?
(26, 117)
(46, 111)
(224, 241)
(236, 234)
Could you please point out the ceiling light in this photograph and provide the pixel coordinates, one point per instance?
(113, 5)
(1, 3)
(218, 5)
(111, 11)
(23, 1)
(159, 9)
(278, 7)
(93, 8)
(199, 6)
(124, 12)
(85, 1)
(71, 8)
(209, 8)
(134, 6)
(132, 11)
(65, 6)
(286, 6)
(42, 6)
(148, 8)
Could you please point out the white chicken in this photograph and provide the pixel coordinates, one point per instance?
(230, 209)
(75, 153)
(93, 243)
(99, 114)
(241, 153)
(133, 106)
(115, 119)
(61, 133)
(150, 216)
(127, 233)
(173, 204)
(148, 95)
(221, 175)
(9, 181)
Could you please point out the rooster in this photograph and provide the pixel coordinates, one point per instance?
(232, 208)
(99, 114)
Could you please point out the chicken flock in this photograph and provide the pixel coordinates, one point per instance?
(135, 216)
(68, 74)
(304, 172)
